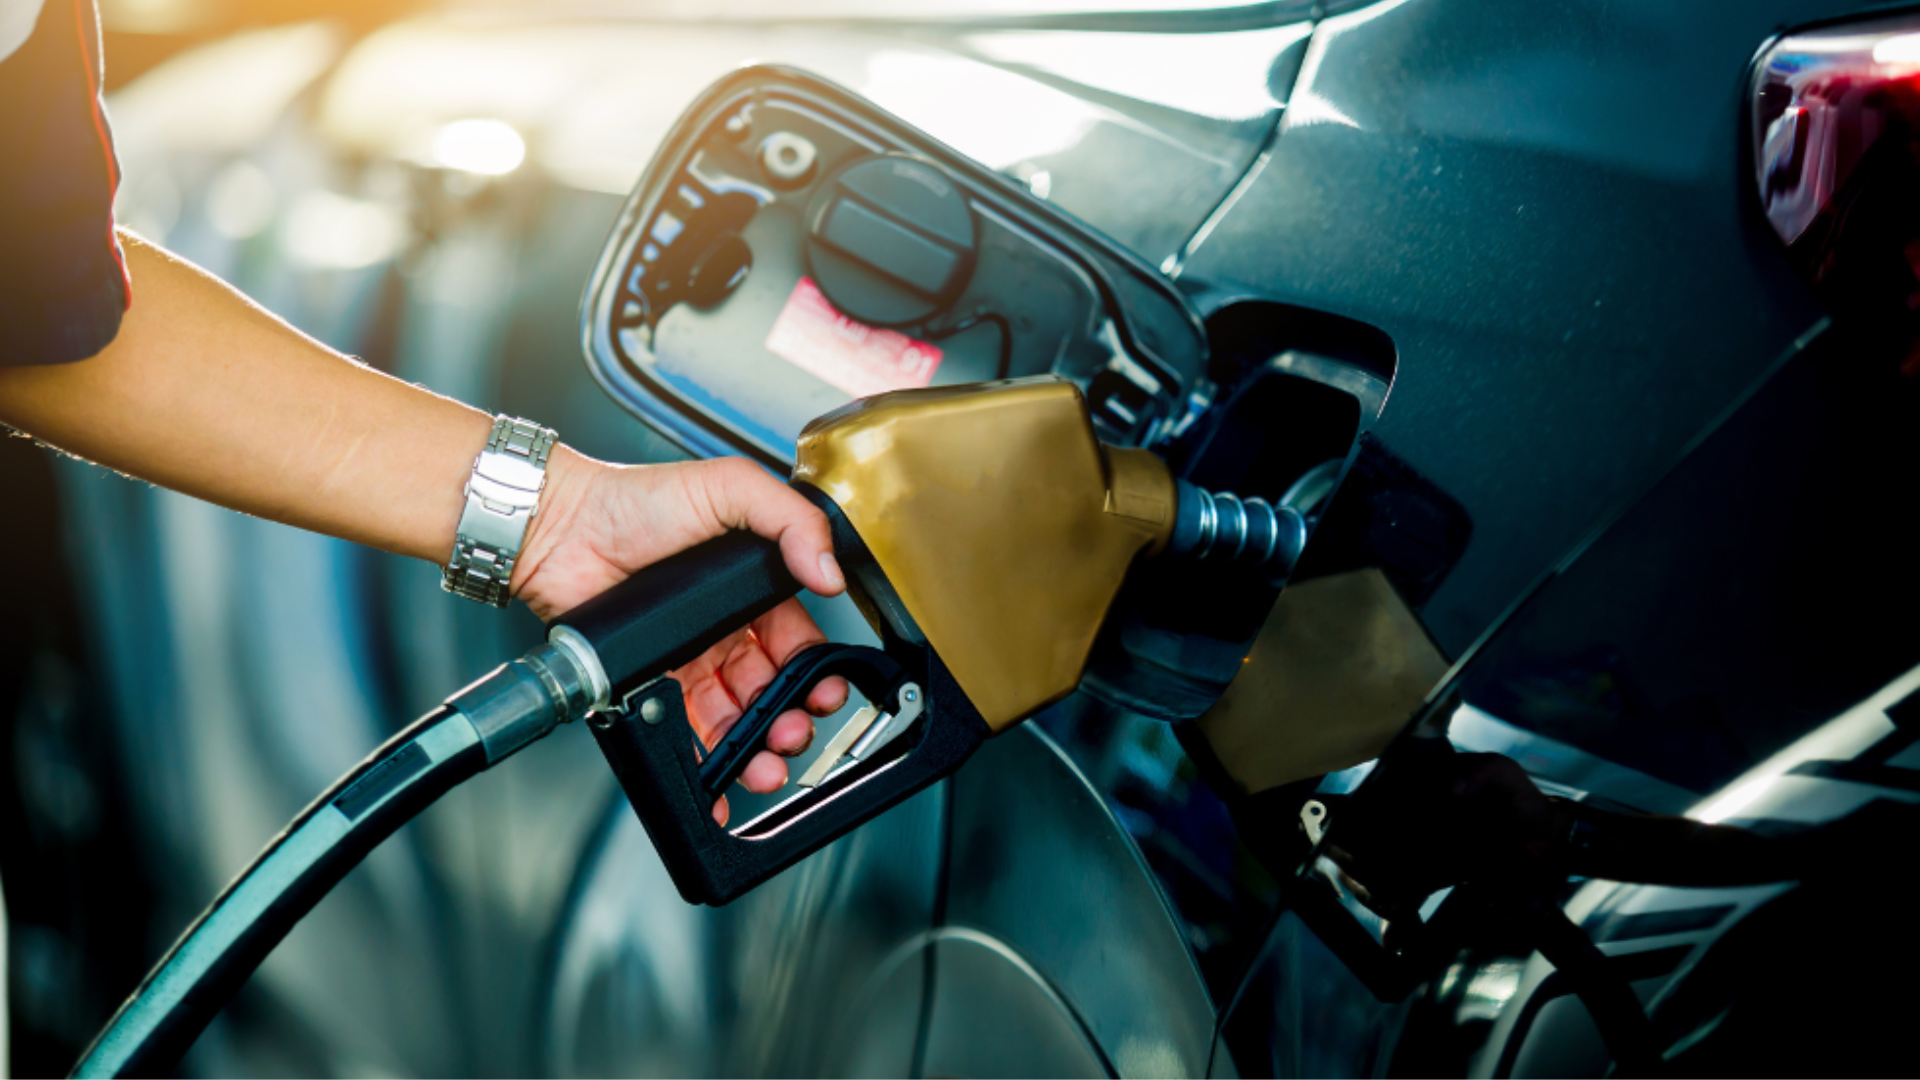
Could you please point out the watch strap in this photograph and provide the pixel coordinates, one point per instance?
(502, 494)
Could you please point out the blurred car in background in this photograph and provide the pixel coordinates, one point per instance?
(1548, 216)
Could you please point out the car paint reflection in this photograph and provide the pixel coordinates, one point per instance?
(959, 913)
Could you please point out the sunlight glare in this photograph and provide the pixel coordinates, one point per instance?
(487, 147)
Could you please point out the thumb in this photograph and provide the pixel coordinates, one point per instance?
(743, 495)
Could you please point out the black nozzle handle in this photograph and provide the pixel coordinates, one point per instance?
(676, 609)
(872, 672)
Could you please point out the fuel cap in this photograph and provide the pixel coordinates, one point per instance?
(890, 240)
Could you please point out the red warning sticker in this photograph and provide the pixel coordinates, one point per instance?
(857, 358)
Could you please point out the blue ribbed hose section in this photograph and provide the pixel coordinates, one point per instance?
(219, 951)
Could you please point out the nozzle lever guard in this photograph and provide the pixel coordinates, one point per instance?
(661, 618)
(872, 672)
(652, 750)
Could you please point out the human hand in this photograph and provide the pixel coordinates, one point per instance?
(600, 523)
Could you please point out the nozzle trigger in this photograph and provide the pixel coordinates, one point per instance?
(865, 732)
(875, 674)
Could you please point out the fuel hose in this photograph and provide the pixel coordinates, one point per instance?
(477, 728)
(632, 634)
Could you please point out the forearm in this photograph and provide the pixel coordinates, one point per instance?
(207, 393)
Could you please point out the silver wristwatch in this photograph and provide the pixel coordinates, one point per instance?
(502, 495)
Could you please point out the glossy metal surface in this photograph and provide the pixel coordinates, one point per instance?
(1299, 1012)
(1003, 523)
(1546, 212)
(1719, 968)
(981, 985)
(1543, 209)
(1703, 649)
(935, 941)
(1036, 889)
(793, 979)
(1101, 139)
(1658, 649)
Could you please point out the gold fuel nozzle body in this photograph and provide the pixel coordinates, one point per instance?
(1003, 523)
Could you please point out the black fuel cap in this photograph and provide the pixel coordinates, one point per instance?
(890, 240)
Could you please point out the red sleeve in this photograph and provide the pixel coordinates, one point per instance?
(63, 277)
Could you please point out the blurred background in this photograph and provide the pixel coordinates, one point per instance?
(141, 34)
(426, 187)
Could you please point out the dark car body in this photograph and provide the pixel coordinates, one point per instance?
(1682, 580)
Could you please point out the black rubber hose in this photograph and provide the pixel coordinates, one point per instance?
(655, 620)
(219, 951)
(1609, 998)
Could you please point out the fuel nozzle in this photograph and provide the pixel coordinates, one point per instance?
(1226, 528)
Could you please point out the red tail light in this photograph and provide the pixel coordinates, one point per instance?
(1836, 138)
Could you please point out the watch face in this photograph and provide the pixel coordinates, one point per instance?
(792, 248)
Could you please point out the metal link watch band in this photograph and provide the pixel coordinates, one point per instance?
(502, 495)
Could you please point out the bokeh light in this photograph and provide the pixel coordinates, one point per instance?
(487, 147)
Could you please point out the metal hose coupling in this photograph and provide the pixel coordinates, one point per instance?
(1226, 528)
(516, 703)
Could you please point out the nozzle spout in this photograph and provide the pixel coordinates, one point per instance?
(1227, 528)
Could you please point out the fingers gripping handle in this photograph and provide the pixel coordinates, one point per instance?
(676, 609)
(871, 671)
(650, 746)
(669, 614)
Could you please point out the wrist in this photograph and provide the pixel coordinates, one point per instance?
(570, 475)
(504, 494)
